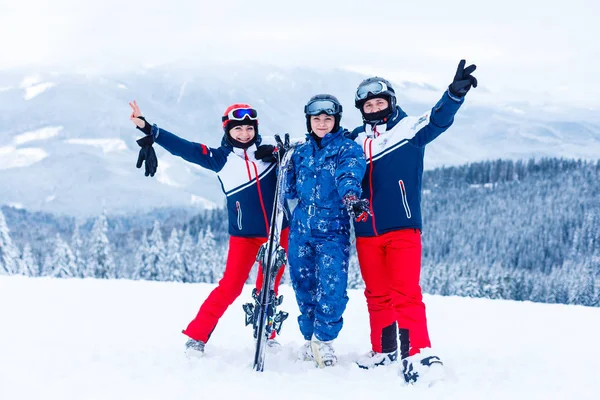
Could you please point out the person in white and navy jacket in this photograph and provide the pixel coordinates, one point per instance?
(249, 185)
(389, 244)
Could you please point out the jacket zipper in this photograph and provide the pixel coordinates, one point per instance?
(371, 186)
(238, 207)
(404, 199)
(260, 198)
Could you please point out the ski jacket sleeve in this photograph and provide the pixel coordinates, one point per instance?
(350, 169)
(207, 157)
(290, 181)
(440, 118)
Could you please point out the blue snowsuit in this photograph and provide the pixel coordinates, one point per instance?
(319, 244)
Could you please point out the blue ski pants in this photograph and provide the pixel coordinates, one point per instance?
(318, 265)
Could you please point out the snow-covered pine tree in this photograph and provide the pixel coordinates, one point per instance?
(30, 264)
(141, 254)
(582, 282)
(100, 259)
(559, 287)
(539, 291)
(202, 272)
(63, 260)
(153, 266)
(47, 268)
(187, 257)
(20, 267)
(489, 281)
(174, 269)
(469, 286)
(10, 263)
(355, 280)
(127, 260)
(77, 249)
(432, 279)
(211, 256)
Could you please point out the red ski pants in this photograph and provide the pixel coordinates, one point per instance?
(391, 268)
(240, 259)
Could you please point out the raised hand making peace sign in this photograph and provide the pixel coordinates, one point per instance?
(139, 121)
(463, 80)
(147, 153)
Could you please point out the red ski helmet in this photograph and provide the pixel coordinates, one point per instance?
(239, 114)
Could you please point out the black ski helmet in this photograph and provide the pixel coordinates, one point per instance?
(323, 104)
(373, 88)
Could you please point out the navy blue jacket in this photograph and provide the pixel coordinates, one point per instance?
(394, 153)
(248, 183)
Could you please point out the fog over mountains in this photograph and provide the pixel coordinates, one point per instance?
(67, 145)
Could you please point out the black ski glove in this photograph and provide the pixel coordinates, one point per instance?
(147, 154)
(269, 153)
(463, 80)
(357, 208)
(265, 153)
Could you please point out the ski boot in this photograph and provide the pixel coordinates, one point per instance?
(373, 359)
(422, 368)
(194, 349)
(305, 353)
(323, 353)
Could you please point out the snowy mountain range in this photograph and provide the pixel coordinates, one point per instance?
(67, 146)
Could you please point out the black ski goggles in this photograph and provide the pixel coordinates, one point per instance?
(371, 88)
(326, 106)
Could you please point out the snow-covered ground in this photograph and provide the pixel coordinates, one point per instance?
(101, 339)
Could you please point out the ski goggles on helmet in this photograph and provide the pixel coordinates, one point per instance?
(321, 106)
(239, 114)
(371, 88)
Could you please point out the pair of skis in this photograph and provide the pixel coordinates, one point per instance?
(262, 313)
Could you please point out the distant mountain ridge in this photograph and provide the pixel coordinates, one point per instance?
(66, 145)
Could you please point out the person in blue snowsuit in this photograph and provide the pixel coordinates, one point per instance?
(325, 177)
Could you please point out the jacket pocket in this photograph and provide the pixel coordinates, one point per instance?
(404, 199)
(238, 208)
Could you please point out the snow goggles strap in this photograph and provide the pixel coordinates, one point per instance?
(239, 114)
(373, 88)
(317, 107)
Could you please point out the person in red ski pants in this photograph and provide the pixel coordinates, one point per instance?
(249, 186)
(389, 243)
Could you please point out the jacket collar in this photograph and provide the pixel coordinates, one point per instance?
(397, 116)
(330, 137)
(225, 142)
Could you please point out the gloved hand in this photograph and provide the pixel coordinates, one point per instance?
(147, 154)
(269, 153)
(357, 208)
(283, 146)
(463, 80)
(265, 152)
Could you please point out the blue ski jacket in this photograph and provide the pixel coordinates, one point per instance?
(320, 176)
(394, 152)
(248, 183)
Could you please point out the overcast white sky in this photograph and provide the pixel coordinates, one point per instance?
(525, 49)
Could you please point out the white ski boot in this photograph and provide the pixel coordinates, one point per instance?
(423, 368)
(194, 349)
(373, 359)
(323, 353)
(273, 346)
(305, 353)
